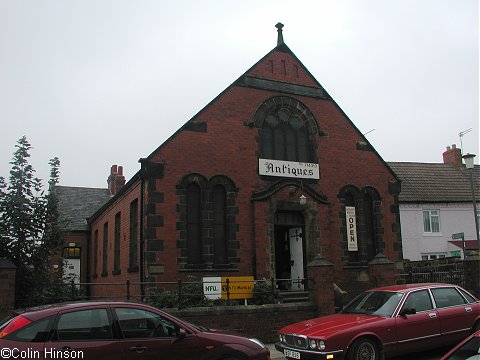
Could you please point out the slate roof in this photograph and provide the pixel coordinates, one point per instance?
(76, 204)
(434, 182)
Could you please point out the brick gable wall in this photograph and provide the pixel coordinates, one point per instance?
(222, 140)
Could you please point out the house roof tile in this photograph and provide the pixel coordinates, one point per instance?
(76, 204)
(433, 182)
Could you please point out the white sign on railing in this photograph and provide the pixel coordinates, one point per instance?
(351, 228)
(290, 169)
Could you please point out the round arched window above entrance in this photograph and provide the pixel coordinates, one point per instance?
(287, 130)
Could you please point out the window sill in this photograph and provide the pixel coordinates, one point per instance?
(436, 234)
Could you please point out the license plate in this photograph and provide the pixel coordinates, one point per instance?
(291, 354)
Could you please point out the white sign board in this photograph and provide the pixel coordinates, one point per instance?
(212, 287)
(290, 169)
(351, 228)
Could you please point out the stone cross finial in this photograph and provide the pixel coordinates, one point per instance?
(279, 27)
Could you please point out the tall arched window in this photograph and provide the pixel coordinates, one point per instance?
(287, 130)
(208, 215)
(194, 239)
(285, 137)
(219, 197)
(371, 206)
(368, 217)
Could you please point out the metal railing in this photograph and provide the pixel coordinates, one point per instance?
(453, 272)
(131, 290)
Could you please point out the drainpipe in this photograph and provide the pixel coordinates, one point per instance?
(141, 237)
(254, 243)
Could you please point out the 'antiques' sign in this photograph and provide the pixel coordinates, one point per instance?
(351, 228)
(290, 169)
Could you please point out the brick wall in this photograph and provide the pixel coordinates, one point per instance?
(122, 206)
(224, 139)
(7, 286)
(257, 321)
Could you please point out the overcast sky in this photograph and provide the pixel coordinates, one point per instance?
(98, 82)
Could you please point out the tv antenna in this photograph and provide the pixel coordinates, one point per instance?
(460, 134)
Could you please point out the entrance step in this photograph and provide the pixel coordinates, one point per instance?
(293, 296)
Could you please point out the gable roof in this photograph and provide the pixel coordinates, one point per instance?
(249, 79)
(434, 182)
(76, 204)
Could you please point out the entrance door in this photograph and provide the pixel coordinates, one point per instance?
(296, 257)
(289, 263)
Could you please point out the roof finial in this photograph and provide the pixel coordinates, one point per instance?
(279, 27)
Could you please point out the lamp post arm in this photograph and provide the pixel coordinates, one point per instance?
(474, 208)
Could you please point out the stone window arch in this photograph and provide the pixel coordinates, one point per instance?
(209, 220)
(288, 130)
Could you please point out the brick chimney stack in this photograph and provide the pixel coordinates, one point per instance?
(453, 156)
(116, 180)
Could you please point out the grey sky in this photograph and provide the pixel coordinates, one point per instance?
(99, 82)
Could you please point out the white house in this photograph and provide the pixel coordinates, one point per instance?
(436, 203)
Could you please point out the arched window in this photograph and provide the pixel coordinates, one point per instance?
(368, 207)
(208, 216)
(219, 198)
(371, 200)
(367, 211)
(287, 130)
(194, 239)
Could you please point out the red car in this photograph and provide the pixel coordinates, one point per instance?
(384, 322)
(468, 349)
(117, 331)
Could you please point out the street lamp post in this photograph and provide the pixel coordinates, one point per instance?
(469, 165)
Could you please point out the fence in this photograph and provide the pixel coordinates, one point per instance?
(448, 270)
(190, 292)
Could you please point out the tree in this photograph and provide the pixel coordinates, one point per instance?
(29, 225)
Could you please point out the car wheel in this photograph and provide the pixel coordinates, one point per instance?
(364, 349)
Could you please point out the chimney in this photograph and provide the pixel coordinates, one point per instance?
(453, 156)
(116, 180)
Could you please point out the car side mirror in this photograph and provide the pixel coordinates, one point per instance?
(408, 311)
(182, 334)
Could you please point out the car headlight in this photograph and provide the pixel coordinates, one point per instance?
(258, 342)
(316, 344)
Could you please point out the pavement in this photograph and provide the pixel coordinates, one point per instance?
(274, 354)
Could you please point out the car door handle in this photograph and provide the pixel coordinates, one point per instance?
(468, 309)
(432, 315)
(138, 348)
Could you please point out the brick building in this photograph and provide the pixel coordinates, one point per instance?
(265, 177)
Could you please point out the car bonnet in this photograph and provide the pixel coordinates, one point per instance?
(329, 325)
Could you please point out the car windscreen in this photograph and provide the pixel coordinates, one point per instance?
(379, 303)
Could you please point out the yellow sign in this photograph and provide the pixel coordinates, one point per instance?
(239, 287)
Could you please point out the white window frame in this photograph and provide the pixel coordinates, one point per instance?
(431, 214)
(433, 256)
